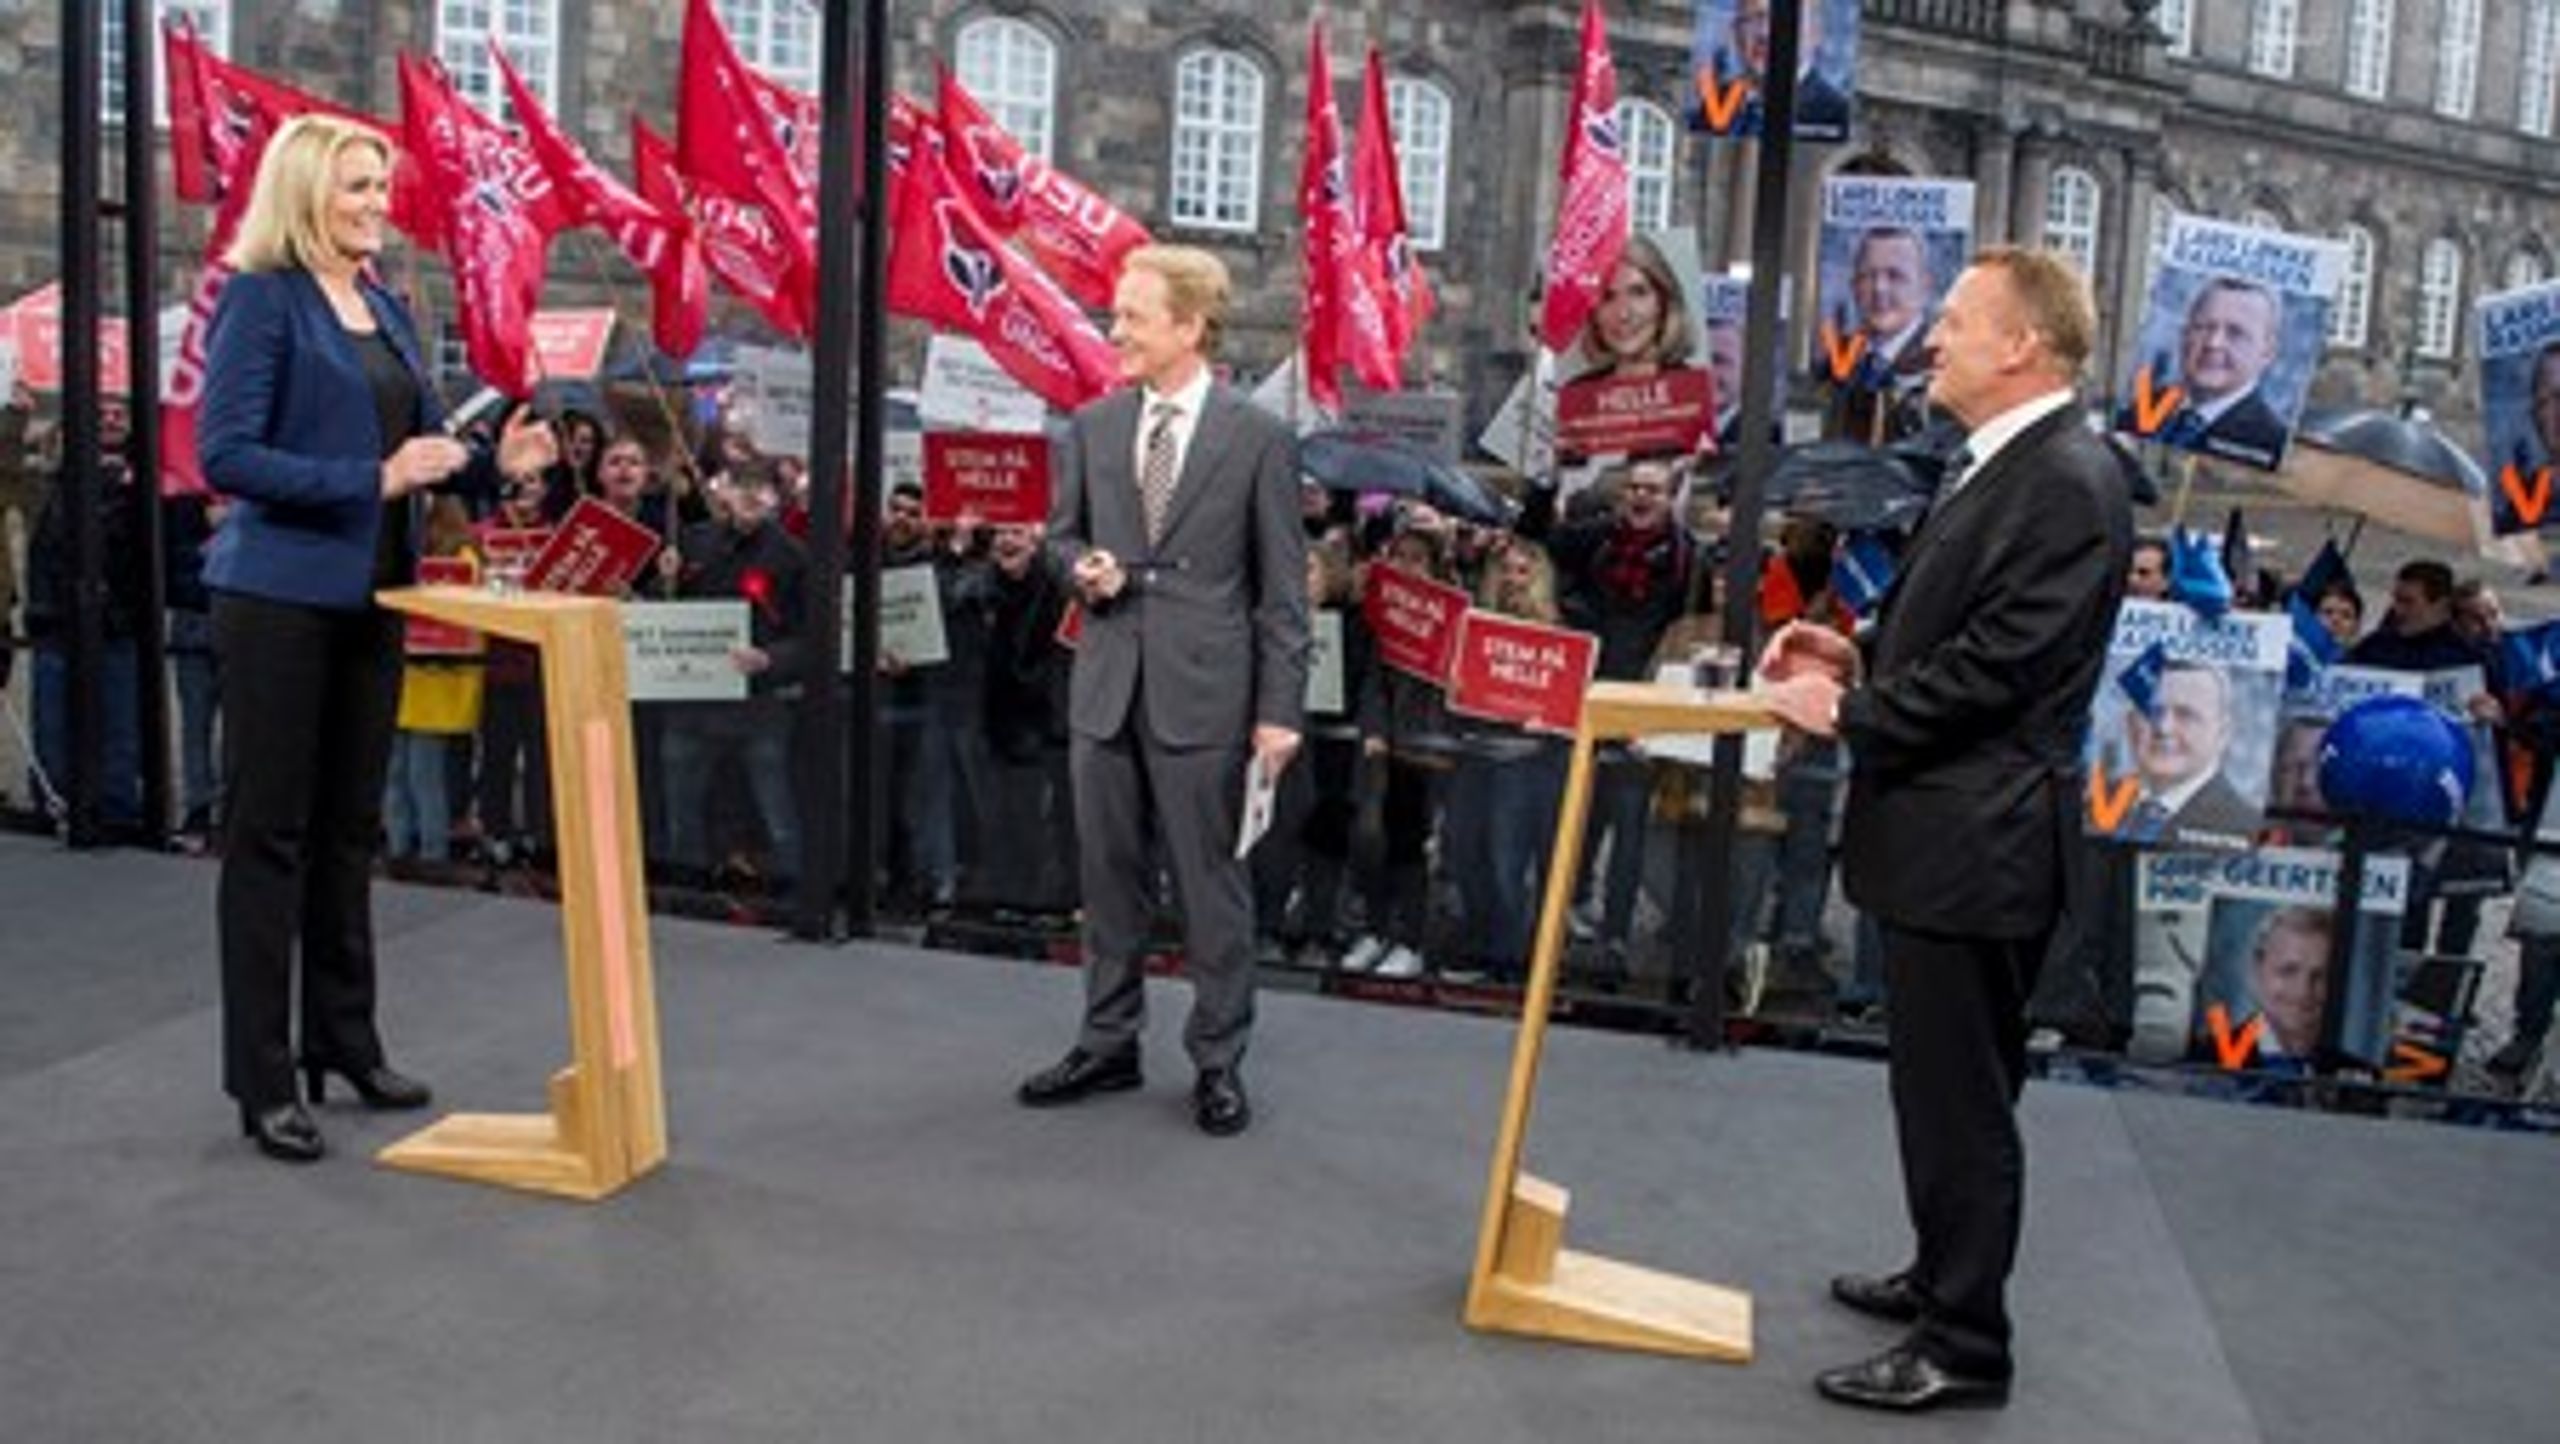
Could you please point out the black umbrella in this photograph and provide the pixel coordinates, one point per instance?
(1368, 461)
(1855, 487)
(2397, 469)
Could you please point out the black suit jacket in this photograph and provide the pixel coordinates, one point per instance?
(2250, 431)
(1966, 734)
(2217, 813)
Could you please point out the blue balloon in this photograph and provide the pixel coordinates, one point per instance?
(2398, 759)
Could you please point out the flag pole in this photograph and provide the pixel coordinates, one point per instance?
(675, 425)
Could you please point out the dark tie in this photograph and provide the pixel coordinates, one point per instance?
(1959, 461)
(1156, 474)
(2150, 821)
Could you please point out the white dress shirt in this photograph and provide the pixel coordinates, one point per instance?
(1186, 403)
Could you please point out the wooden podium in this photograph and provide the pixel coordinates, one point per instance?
(607, 1122)
(1526, 1281)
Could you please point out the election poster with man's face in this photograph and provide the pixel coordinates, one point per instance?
(2182, 730)
(1890, 247)
(2237, 322)
(1729, 50)
(2309, 708)
(2520, 404)
(2232, 958)
(1724, 310)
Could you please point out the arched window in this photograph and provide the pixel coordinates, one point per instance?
(1418, 116)
(2176, 19)
(1012, 68)
(2458, 59)
(2071, 216)
(1217, 141)
(777, 37)
(1651, 161)
(2369, 48)
(528, 30)
(2353, 314)
(2526, 268)
(2439, 298)
(2275, 27)
(212, 21)
(2539, 76)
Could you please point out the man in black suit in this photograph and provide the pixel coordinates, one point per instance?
(1176, 518)
(1963, 708)
(2178, 752)
(2224, 350)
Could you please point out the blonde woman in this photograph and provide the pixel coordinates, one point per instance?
(319, 422)
(1501, 818)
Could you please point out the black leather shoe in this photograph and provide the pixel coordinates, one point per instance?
(283, 1132)
(1907, 1381)
(1079, 1076)
(381, 1088)
(1891, 1297)
(1218, 1103)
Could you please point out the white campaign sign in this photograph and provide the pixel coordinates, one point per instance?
(910, 617)
(679, 651)
(1324, 662)
(965, 390)
(771, 392)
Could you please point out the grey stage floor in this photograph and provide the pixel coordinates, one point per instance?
(858, 1235)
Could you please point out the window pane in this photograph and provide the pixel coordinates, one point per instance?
(1418, 115)
(1012, 69)
(2349, 318)
(1217, 141)
(2458, 59)
(2071, 216)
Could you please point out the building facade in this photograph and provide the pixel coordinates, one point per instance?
(2417, 131)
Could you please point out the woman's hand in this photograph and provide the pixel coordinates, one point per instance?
(527, 445)
(421, 462)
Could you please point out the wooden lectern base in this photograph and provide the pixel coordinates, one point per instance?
(1526, 1281)
(536, 1152)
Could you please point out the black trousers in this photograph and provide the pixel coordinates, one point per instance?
(313, 696)
(1957, 1026)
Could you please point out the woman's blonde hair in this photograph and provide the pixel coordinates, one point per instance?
(286, 220)
(1533, 602)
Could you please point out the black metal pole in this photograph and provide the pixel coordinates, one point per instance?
(1742, 559)
(77, 482)
(141, 211)
(822, 706)
(869, 461)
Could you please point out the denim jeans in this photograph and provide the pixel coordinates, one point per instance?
(198, 680)
(924, 848)
(120, 754)
(415, 822)
(758, 731)
(1502, 824)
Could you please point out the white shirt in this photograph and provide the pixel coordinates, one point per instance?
(1990, 438)
(1186, 404)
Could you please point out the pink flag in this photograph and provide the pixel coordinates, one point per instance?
(1592, 205)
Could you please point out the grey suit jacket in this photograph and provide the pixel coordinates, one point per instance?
(1214, 619)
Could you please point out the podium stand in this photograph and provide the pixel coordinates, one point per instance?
(1525, 1280)
(607, 1121)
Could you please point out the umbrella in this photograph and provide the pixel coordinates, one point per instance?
(1853, 486)
(2397, 469)
(1369, 461)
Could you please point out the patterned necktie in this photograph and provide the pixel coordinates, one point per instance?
(1951, 480)
(1156, 474)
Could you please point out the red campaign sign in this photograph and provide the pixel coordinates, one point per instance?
(428, 637)
(1070, 626)
(595, 551)
(1523, 672)
(511, 543)
(1415, 621)
(570, 345)
(1000, 480)
(1661, 415)
(35, 323)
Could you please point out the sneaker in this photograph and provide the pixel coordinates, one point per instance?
(1583, 922)
(1364, 954)
(1400, 962)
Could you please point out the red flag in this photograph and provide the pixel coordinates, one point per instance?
(680, 286)
(1377, 198)
(736, 133)
(1344, 320)
(655, 237)
(1076, 235)
(947, 267)
(499, 211)
(1591, 205)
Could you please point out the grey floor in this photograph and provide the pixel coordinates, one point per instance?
(859, 1237)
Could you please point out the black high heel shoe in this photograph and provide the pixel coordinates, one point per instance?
(283, 1132)
(381, 1088)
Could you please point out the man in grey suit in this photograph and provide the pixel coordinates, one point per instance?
(1177, 518)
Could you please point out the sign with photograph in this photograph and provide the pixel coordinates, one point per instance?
(1724, 310)
(2182, 730)
(1527, 673)
(680, 651)
(2520, 404)
(2294, 786)
(1001, 480)
(2232, 958)
(1890, 247)
(1729, 64)
(2237, 323)
(1415, 621)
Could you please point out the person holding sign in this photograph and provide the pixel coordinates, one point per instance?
(2229, 340)
(1176, 514)
(1963, 709)
(320, 421)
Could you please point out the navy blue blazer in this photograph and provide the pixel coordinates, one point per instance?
(289, 430)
